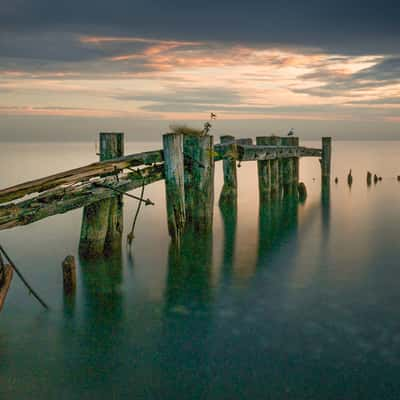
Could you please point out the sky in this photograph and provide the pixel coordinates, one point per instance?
(69, 69)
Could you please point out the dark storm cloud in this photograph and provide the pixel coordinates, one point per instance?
(336, 26)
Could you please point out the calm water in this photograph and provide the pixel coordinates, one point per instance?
(286, 302)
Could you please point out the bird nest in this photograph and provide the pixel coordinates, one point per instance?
(186, 130)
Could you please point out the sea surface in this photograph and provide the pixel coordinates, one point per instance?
(281, 302)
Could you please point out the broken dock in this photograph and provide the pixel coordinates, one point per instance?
(186, 163)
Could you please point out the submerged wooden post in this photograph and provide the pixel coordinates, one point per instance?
(326, 160)
(174, 184)
(264, 171)
(199, 181)
(229, 190)
(102, 222)
(275, 170)
(69, 275)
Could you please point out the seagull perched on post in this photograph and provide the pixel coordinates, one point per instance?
(291, 132)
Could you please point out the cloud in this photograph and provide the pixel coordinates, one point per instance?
(199, 96)
(338, 27)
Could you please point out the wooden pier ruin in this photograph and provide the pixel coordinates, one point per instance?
(186, 163)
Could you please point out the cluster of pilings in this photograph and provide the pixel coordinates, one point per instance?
(189, 177)
(188, 170)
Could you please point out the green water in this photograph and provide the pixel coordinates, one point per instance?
(285, 301)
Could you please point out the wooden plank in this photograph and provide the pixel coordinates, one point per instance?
(255, 153)
(80, 174)
(174, 184)
(62, 200)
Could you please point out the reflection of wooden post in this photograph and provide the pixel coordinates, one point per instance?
(229, 190)
(174, 184)
(102, 222)
(326, 159)
(275, 170)
(264, 171)
(199, 181)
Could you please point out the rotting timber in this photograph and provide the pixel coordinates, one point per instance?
(186, 163)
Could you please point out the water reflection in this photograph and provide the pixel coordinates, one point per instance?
(229, 219)
(189, 272)
(186, 323)
(101, 280)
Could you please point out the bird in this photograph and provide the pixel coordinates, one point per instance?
(213, 116)
(291, 132)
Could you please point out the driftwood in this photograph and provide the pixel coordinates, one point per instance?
(61, 200)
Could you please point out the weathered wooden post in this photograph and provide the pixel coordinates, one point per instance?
(275, 170)
(287, 165)
(264, 171)
(199, 181)
(174, 184)
(296, 165)
(69, 275)
(326, 160)
(102, 222)
(229, 190)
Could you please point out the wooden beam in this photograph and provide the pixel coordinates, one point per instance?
(256, 153)
(62, 200)
(80, 174)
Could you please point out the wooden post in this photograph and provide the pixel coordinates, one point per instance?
(229, 190)
(111, 145)
(102, 222)
(264, 171)
(296, 165)
(94, 228)
(69, 275)
(199, 181)
(275, 170)
(326, 160)
(174, 184)
(287, 169)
